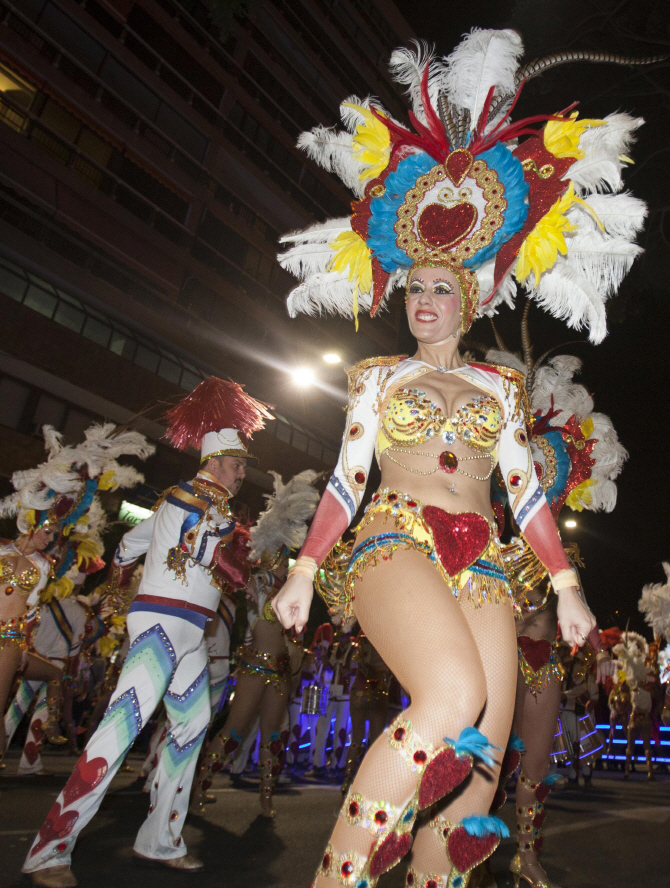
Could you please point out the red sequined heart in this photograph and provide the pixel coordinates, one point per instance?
(442, 775)
(458, 163)
(443, 226)
(510, 762)
(56, 826)
(31, 751)
(499, 800)
(466, 851)
(542, 792)
(459, 539)
(37, 729)
(391, 850)
(84, 778)
(539, 819)
(536, 652)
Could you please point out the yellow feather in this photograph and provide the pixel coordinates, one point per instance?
(353, 257)
(580, 496)
(371, 144)
(561, 138)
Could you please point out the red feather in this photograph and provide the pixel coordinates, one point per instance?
(214, 404)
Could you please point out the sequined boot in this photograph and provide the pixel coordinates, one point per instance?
(438, 772)
(468, 845)
(529, 822)
(212, 763)
(351, 766)
(270, 764)
(52, 725)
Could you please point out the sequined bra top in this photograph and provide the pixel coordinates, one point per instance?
(411, 419)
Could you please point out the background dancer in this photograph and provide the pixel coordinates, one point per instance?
(167, 659)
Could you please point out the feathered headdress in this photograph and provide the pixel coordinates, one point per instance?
(655, 605)
(218, 418)
(576, 451)
(493, 200)
(62, 493)
(283, 524)
(631, 655)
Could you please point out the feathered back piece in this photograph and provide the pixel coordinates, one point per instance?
(213, 405)
(576, 451)
(631, 655)
(537, 202)
(62, 492)
(283, 524)
(655, 605)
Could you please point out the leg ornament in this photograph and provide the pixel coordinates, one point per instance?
(52, 726)
(270, 762)
(529, 822)
(511, 761)
(468, 844)
(213, 761)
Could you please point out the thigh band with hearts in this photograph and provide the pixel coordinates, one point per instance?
(538, 662)
(468, 844)
(462, 546)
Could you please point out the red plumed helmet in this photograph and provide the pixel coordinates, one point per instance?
(218, 417)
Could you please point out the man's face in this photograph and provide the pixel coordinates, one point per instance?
(229, 471)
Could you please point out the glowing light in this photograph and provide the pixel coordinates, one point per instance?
(332, 358)
(133, 514)
(303, 377)
(570, 523)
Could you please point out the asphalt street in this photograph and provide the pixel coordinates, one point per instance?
(611, 835)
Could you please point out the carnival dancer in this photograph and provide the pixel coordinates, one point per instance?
(53, 504)
(167, 658)
(58, 639)
(263, 675)
(337, 711)
(654, 603)
(577, 457)
(447, 210)
(369, 703)
(632, 659)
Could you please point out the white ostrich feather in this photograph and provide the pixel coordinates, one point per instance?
(622, 215)
(600, 168)
(305, 260)
(555, 380)
(125, 476)
(53, 440)
(333, 150)
(284, 521)
(484, 58)
(655, 604)
(328, 293)
(506, 359)
(506, 292)
(407, 66)
(321, 232)
(631, 655)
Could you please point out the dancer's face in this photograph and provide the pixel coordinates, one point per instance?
(433, 304)
(229, 471)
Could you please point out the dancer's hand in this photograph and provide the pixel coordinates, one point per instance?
(292, 603)
(575, 618)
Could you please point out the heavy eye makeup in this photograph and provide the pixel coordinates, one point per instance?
(439, 288)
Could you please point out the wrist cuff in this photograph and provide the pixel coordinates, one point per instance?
(564, 579)
(304, 565)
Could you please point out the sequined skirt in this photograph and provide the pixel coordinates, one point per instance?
(13, 630)
(274, 669)
(463, 547)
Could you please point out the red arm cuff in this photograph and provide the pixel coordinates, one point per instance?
(330, 522)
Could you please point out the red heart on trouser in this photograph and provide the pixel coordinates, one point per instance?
(37, 730)
(459, 539)
(84, 778)
(536, 651)
(542, 792)
(466, 851)
(510, 762)
(539, 819)
(32, 752)
(442, 775)
(392, 849)
(56, 826)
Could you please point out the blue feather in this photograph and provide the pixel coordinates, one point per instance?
(473, 742)
(236, 735)
(275, 735)
(510, 174)
(485, 826)
(550, 779)
(515, 742)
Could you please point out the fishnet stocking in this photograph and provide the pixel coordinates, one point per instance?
(453, 659)
(535, 720)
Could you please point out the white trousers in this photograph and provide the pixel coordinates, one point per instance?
(167, 661)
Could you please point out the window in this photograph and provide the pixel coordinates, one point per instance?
(180, 131)
(70, 36)
(60, 121)
(49, 411)
(12, 285)
(16, 88)
(96, 331)
(189, 380)
(146, 358)
(13, 398)
(169, 370)
(70, 317)
(76, 423)
(40, 301)
(127, 85)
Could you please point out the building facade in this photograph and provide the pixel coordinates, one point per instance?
(148, 168)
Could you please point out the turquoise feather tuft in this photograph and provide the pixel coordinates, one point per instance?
(485, 826)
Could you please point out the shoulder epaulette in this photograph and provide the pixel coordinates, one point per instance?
(182, 496)
(161, 499)
(508, 372)
(511, 378)
(367, 363)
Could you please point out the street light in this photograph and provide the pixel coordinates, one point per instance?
(303, 377)
(570, 523)
(332, 358)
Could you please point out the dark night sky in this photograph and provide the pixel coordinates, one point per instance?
(623, 550)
